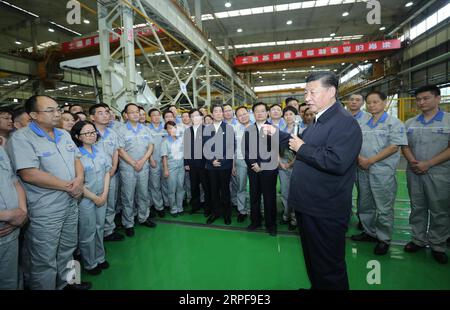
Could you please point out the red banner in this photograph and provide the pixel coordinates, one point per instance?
(94, 40)
(319, 52)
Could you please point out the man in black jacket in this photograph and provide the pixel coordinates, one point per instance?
(262, 169)
(195, 162)
(322, 181)
(219, 148)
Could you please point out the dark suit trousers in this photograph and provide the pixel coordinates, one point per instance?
(197, 176)
(323, 243)
(263, 183)
(220, 192)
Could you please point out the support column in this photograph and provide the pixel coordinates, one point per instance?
(105, 55)
(127, 42)
(198, 14)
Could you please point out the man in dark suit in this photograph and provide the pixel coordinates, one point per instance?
(195, 162)
(262, 167)
(322, 181)
(219, 147)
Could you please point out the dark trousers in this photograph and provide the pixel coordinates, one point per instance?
(220, 192)
(263, 183)
(323, 243)
(197, 176)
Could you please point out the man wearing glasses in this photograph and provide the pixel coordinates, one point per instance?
(6, 123)
(45, 159)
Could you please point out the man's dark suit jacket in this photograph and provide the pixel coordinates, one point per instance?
(253, 137)
(193, 147)
(325, 166)
(225, 136)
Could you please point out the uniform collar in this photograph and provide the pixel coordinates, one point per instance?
(85, 152)
(170, 139)
(160, 127)
(438, 118)
(106, 133)
(138, 128)
(382, 119)
(358, 115)
(281, 122)
(41, 133)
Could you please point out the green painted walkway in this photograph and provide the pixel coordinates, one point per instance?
(184, 254)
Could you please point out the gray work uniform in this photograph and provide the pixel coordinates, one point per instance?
(109, 144)
(51, 237)
(361, 117)
(133, 184)
(92, 218)
(239, 181)
(286, 156)
(378, 185)
(9, 244)
(174, 151)
(156, 178)
(429, 193)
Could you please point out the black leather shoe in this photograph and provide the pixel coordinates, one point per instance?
(440, 257)
(381, 248)
(181, 213)
(160, 213)
(292, 227)
(207, 213)
(211, 219)
(149, 223)
(174, 214)
(227, 221)
(411, 247)
(129, 232)
(83, 286)
(363, 237)
(115, 236)
(272, 231)
(253, 226)
(241, 217)
(104, 265)
(94, 271)
(152, 213)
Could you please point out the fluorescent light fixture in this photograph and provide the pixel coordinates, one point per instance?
(332, 34)
(409, 4)
(18, 42)
(227, 4)
(345, 14)
(51, 30)
(289, 22)
(86, 21)
(382, 28)
(239, 30)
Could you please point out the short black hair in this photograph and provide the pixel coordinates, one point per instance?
(275, 105)
(79, 113)
(431, 88)
(239, 108)
(195, 110)
(358, 94)
(185, 112)
(18, 113)
(216, 105)
(167, 112)
(141, 108)
(93, 108)
(326, 78)
(207, 115)
(289, 108)
(169, 123)
(289, 99)
(258, 104)
(76, 129)
(31, 103)
(376, 92)
(153, 110)
(75, 105)
(125, 110)
(301, 105)
(7, 111)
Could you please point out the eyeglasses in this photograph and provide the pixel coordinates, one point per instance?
(89, 134)
(52, 110)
